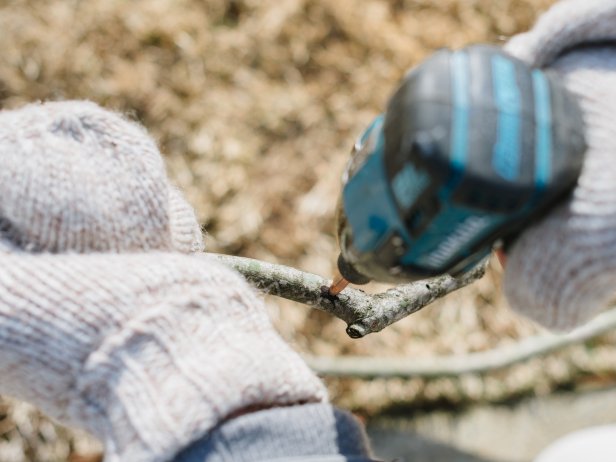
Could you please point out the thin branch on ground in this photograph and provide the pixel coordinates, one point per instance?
(363, 313)
(454, 366)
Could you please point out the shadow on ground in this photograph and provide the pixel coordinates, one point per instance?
(514, 432)
(401, 446)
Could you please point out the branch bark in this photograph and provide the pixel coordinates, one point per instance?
(363, 313)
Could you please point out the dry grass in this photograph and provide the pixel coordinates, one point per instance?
(255, 104)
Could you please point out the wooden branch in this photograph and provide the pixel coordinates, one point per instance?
(366, 313)
(454, 366)
(362, 312)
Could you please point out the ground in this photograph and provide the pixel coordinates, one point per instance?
(255, 105)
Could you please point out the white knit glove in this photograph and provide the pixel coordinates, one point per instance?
(562, 271)
(76, 178)
(146, 350)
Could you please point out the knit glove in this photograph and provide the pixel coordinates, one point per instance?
(77, 178)
(562, 271)
(106, 321)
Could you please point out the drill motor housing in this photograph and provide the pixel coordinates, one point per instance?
(474, 145)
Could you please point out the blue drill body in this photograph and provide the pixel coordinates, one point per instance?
(473, 147)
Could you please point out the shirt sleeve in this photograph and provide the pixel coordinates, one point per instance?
(309, 432)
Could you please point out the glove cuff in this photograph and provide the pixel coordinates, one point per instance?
(187, 354)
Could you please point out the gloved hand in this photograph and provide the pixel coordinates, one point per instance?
(562, 271)
(146, 350)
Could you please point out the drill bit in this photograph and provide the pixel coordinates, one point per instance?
(338, 285)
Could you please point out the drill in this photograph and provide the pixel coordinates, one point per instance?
(473, 146)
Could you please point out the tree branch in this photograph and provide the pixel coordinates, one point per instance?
(453, 366)
(366, 313)
(362, 312)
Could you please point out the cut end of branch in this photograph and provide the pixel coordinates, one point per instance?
(356, 331)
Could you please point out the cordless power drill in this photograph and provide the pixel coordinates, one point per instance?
(474, 146)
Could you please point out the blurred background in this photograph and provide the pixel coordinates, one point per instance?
(255, 105)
